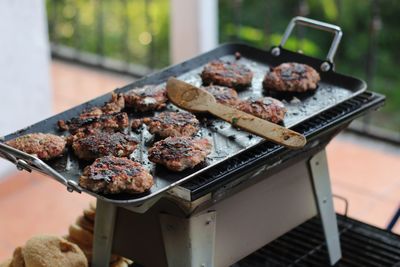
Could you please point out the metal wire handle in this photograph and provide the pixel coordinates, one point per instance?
(326, 66)
(27, 162)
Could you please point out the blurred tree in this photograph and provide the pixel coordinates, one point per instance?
(138, 31)
(122, 29)
(369, 48)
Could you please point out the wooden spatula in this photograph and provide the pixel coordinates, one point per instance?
(195, 99)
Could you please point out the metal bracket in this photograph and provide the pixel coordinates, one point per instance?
(22, 165)
(145, 206)
(103, 233)
(27, 162)
(189, 242)
(328, 64)
(323, 197)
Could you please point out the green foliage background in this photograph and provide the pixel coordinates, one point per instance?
(369, 48)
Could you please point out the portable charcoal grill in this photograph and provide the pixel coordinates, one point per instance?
(228, 212)
(250, 193)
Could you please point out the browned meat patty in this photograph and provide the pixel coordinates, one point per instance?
(97, 117)
(227, 73)
(113, 175)
(167, 124)
(115, 105)
(266, 108)
(179, 153)
(103, 143)
(116, 121)
(44, 146)
(149, 97)
(291, 77)
(223, 95)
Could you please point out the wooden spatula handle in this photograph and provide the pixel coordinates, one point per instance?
(257, 126)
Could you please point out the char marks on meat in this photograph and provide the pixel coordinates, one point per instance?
(224, 95)
(117, 121)
(226, 73)
(146, 98)
(115, 105)
(180, 153)
(112, 175)
(100, 143)
(109, 116)
(168, 123)
(292, 77)
(266, 108)
(44, 146)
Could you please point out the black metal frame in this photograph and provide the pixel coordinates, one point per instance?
(394, 220)
(362, 245)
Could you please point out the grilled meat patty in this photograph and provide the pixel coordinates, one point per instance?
(109, 116)
(292, 77)
(266, 108)
(112, 175)
(116, 121)
(45, 146)
(227, 73)
(103, 143)
(168, 123)
(179, 153)
(223, 95)
(115, 105)
(148, 97)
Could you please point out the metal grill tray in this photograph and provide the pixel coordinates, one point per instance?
(333, 89)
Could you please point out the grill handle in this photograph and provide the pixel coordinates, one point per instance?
(326, 66)
(24, 161)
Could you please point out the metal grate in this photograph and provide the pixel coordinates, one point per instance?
(362, 245)
(318, 125)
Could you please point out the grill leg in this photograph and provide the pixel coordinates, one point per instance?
(323, 197)
(189, 242)
(394, 220)
(103, 233)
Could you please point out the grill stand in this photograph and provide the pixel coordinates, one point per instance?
(136, 233)
(323, 197)
(103, 233)
(189, 238)
(198, 231)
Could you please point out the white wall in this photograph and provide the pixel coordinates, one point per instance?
(24, 66)
(193, 28)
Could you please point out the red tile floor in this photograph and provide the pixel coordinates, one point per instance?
(365, 172)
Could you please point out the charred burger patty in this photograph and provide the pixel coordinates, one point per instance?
(109, 116)
(227, 73)
(180, 153)
(223, 95)
(45, 146)
(266, 108)
(291, 77)
(167, 124)
(149, 97)
(112, 175)
(103, 143)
